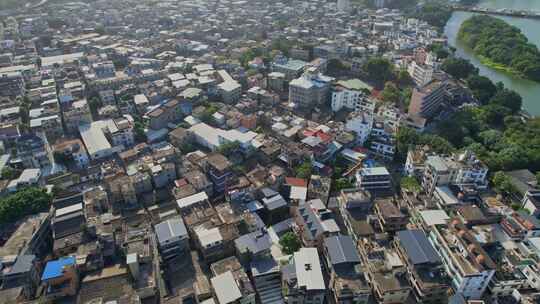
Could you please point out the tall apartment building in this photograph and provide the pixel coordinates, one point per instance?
(351, 94)
(310, 90)
(426, 100)
(469, 267)
(422, 74)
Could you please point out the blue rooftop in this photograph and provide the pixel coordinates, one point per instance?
(54, 269)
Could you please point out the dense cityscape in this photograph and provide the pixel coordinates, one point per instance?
(265, 152)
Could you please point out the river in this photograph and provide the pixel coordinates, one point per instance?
(529, 90)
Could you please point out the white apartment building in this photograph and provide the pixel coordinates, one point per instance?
(351, 95)
(422, 74)
(462, 169)
(360, 123)
(467, 264)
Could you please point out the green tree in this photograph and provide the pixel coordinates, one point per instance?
(378, 69)
(9, 173)
(501, 182)
(508, 99)
(290, 243)
(139, 133)
(410, 184)
(229, 148)
(434, 13)
(458, 67)
(304, 170)
(23, 202)
(391, 93)
(481, 87)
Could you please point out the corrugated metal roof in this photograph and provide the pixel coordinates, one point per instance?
(341, 249)
(417, 247)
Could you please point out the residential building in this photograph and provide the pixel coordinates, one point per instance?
(361, 124)
(303, 280)
(391, 219)
(469, 267)
(231, 283)
(385, 271)
(462, 169)
(172, 238)
(73, 150)
(425, 270)
(61, 278)
(219, 170)
(310, 90)
(76, 114)
(267, 280)
(422, 74)
(290, 68)
(353, 95)
(427, 100)
(347, 280)
(314, 222)
(374, 179)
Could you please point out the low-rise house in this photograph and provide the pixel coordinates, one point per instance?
(315, 222)
(60, 278)
(267, 280)
(390, 217)
(386, 272)
(425, 270)
(230, 281)
(374, 179)
(347, 280)
(303, 280)
(172, 238)
(73, 150)
(76, 114)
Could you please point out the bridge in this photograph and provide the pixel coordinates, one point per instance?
(499, 12)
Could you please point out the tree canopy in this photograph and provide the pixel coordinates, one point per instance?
(458, 67)
(290, 243)
(379, 70)
(22, 203)
(501, 44)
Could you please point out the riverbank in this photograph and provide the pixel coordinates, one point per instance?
(501, 46)
(529, 90)
(499, 67)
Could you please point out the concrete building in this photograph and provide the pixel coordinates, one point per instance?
(303, 280)
(172, 237)
(422, 74)
(351, 94)
(290, 68)
(425, 270)
(76, 114)
(310, 90)
(267, 280)
(374, 179)
(427, 100)
(470, 268)
(347, 281)
(461, 169)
